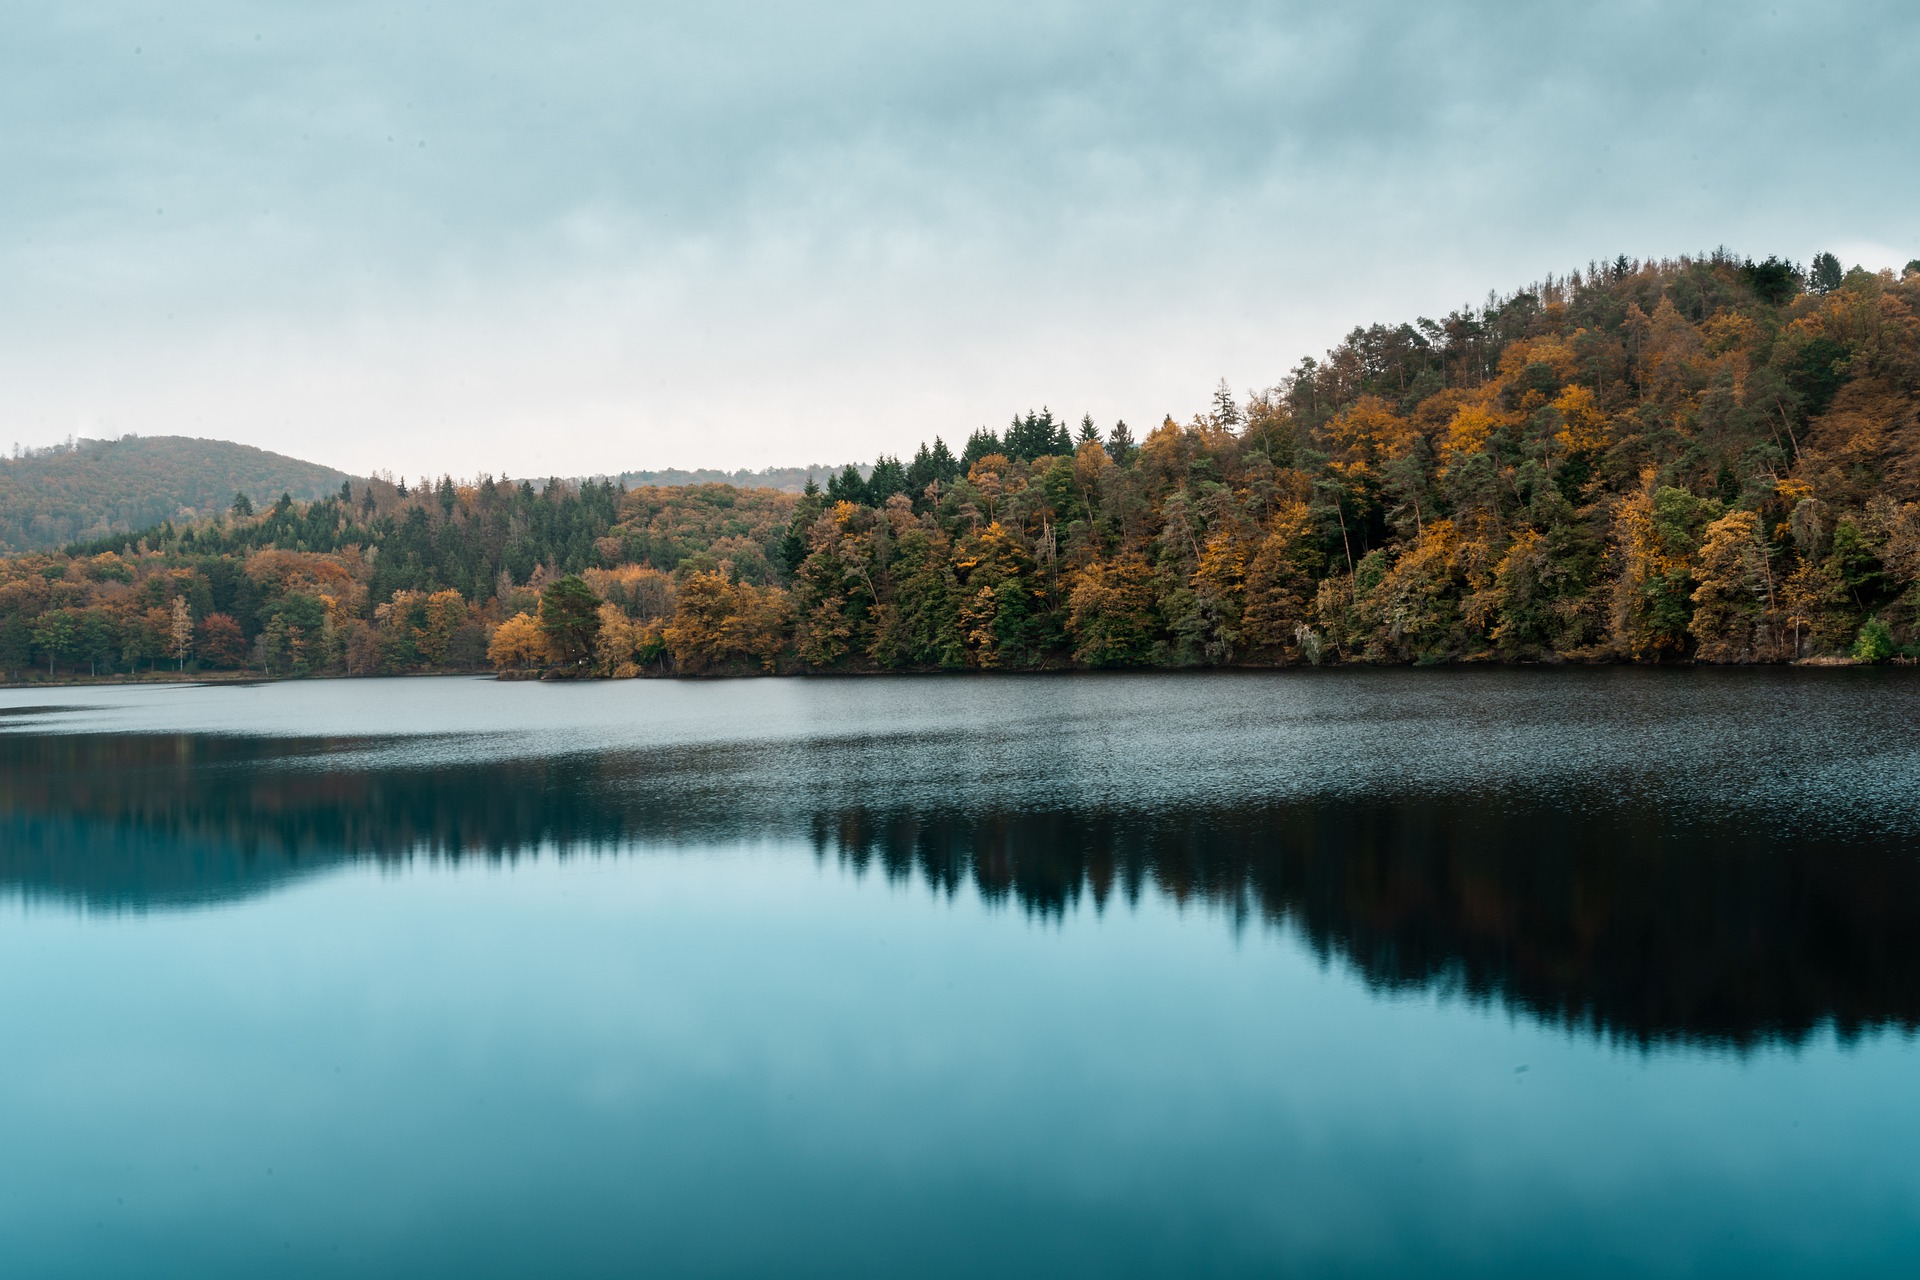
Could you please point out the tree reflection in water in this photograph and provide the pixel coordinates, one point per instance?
(1613, 912)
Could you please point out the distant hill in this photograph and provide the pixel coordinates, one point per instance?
(787, 479)
(92, 488)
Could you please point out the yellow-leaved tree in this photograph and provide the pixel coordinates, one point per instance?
(1280, 582)
(1110, 612)
(517, 643)
(616, 644)
(719, 624)
(1734, 617)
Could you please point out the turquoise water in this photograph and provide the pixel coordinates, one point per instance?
(1502, 973)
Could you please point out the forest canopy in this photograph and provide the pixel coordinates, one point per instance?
(1705, 459)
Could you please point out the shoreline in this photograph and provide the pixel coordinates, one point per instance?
(545, 677)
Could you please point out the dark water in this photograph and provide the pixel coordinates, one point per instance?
(1375, 973)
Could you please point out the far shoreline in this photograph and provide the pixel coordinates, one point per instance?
(244, 679)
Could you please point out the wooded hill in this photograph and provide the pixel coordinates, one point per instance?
(93, 488)
(1707, 459)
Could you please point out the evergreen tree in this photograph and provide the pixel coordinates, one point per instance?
(930, 466)
(1775, 280)
(888, 478)
(947, 466)
(920, 470)
(979, 445)
(1059, 442)
(1226, 411)
(1036, 436)
(848, 487)
(793, 546)
(570, 620)
(1824, 274)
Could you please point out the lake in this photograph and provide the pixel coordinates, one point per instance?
(1346, 973)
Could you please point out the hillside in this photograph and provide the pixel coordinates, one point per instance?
(1702, 459)
(92, 488)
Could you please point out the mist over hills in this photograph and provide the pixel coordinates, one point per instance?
(785, 479)
(94, 488)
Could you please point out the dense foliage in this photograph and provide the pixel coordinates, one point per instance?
(95, 488)
(376, 578)
(1705, 459)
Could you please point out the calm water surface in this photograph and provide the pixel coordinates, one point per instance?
(1319, 973)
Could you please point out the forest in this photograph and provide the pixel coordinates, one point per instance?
(1705, 459)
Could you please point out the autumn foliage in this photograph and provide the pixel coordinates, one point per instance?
(1703, 460)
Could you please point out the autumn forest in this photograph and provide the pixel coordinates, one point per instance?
(1707, 459)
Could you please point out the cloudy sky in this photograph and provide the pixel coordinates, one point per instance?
(575, 237)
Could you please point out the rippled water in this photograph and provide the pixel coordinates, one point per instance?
(1347, 973)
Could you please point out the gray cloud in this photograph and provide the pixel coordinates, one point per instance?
(585, 236)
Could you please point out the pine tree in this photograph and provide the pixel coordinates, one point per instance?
(979, 445)
(1226, 411)
(570, 619)
(1824, 274)
(888, 478)
(848, 487)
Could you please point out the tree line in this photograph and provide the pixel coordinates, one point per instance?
(1702, 459)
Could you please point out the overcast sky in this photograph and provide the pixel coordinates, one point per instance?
(578, 237)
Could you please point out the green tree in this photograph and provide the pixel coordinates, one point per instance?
(932, 465)
(849, 487)
(794, 545)
(979, 445)
(57, 635)
(1774, 280)
(920, 625)
(1824, 273)
(889, 477)
(16, 644)
(1875, 643)
(570, 620)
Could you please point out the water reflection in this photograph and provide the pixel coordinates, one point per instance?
(1605, 910)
